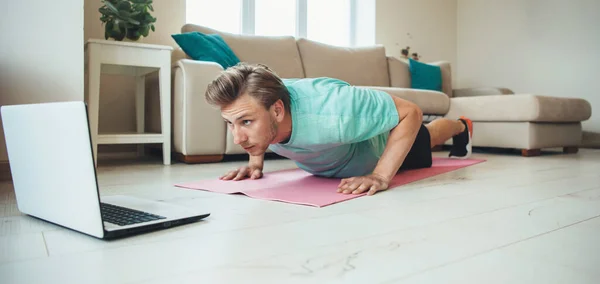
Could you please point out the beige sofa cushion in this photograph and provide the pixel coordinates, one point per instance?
(360, 66)
(280, 53)
(430, 102)
(523, 107)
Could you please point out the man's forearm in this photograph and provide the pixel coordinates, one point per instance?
(257, 161)
(399, 142)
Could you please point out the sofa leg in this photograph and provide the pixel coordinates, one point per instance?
(530, 152)
(570, 150)
(198, 159)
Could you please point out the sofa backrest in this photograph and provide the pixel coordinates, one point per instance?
(361, 66)
(279, 53)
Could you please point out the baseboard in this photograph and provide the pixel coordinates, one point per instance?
(590, 140)
(5, 171)
(116, 155)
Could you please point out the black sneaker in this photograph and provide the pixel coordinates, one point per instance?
(462, 143)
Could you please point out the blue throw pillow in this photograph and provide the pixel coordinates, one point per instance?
(206, 47)
(425, 76)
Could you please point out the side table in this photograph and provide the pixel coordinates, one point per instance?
(133, 59)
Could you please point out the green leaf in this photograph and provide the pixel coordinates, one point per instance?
(111, 7)
(112, 29)
(109, 26)
(119, 36)
(133, 22)
(124, 6)
(151, 8)
(144, 30)
(152, 27)
(120, 26)
(105, 11)
(150, 19)
(133, 34)
(124, 14)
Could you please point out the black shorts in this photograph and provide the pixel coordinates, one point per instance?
(419, 155)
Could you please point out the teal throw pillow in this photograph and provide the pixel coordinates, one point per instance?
(206, 47)
(425, 76)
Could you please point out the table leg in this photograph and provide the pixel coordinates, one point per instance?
(94, 101)
(140, 105)
(164, 78)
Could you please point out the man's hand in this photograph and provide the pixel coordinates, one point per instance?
(358, 185)
(252, 172)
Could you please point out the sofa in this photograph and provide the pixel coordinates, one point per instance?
(501, 118)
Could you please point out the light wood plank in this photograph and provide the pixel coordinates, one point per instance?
(20, 247)
(567, 255)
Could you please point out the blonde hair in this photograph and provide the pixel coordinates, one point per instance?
(256, 80)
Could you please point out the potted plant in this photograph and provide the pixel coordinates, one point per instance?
(129, 19)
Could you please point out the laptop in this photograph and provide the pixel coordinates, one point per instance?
(54, 175)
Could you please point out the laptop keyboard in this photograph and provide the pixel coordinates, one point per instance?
(125, 216)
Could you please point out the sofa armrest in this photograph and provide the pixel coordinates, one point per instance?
(399, 72)
(446, 76)
(482, 91)
(198, 127)
(176, 55)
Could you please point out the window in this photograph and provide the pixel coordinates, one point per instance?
(222, 15)
(328, 21)
(275, 17)
(336, 22)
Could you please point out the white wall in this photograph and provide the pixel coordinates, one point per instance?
(546, 47)
(41, 53)
(427, 26)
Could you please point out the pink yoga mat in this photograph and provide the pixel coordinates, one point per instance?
(299, 187)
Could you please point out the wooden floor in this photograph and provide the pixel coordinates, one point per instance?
(508, 220)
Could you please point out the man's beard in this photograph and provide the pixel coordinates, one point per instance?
(273, 131)
(273, 127)
(271, 136)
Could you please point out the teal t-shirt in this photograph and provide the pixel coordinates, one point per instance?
(338, 130)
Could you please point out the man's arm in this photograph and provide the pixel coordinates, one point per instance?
(400, 140)
(257, 161)
(398, 145)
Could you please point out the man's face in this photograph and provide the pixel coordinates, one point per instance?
(253, 127)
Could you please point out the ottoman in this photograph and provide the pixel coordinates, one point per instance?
(523, 121)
